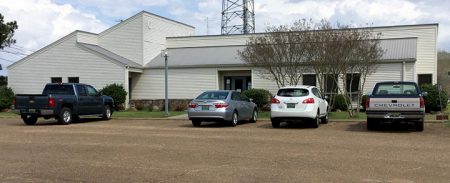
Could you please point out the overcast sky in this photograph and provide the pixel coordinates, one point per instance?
(44, 21)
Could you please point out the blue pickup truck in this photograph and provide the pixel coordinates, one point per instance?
(65, 102)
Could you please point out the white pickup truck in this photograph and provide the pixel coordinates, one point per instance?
(395, 102)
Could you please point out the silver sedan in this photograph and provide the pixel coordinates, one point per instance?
(222, 105)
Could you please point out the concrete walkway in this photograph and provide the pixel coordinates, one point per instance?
(183, 116)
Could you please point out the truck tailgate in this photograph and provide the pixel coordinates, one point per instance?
(394, 104)
(31, 101)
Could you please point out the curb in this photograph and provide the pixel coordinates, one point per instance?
(268, 120)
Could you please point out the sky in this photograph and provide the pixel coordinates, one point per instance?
(42, 22)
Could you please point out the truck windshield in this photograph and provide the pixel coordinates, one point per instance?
(396, 89)
(58, 90)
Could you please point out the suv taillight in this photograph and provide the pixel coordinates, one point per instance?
(308, 101)
(367, 103)
(14, 102)
(422, 102)
(51, 102)
(220, 105)
(192, 105)
(275, 101)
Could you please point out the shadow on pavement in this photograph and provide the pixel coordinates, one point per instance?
(289, 125)
(214, 124)
(53, 122)
(387, 128)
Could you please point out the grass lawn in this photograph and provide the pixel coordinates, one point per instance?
(143, 114)
(8, 115)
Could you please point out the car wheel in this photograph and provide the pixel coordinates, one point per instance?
(275, 123)
(196, 123)
(29, 120)
(234, 119)
(254, 116)
(65, 116)
(316, 121)
(371, 124)
(324, 120)
(419, 125)
(106, 113)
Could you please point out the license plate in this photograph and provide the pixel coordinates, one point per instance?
(393, 115)
(205, 107)
(32, 110)
(290, 105)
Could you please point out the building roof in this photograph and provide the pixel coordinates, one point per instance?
(394, 50)
(104, 52)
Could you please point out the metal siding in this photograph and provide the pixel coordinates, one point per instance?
(155, 31)
(399, 48)
(183, 83)
(87, 38)
(111, 55)
(125, 39)
(63, 60)
(260, 82)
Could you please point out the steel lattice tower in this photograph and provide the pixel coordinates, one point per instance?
(238, 16)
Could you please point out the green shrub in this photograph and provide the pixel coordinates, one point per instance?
(261, 97)
(339, 103)
(6, 97)
(117, 92)
(432, 99)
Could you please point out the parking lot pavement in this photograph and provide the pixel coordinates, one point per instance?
(174, 151)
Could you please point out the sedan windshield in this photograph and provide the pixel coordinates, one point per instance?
(216, 95)
(293, 92)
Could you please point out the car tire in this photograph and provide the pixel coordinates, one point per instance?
(196, 123)
(65, 116)
(324, 119)
(234, 119)
(106, 112)
(372, 124)
(275, 123)
(254, 116)
(419, 125)
(316, 121)
(29, 120)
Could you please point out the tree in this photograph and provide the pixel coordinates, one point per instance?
(7, 30)
(333, 52)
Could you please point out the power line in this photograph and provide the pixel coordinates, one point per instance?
(21, 47)
(15, 53)
(7, 60)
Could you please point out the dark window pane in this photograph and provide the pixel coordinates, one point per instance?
(309, 79)
(331, 83)
(353, 82)
(292, 92)
(58, 90)
(425, 79)
(74, 80)
(395, 89)
(56, 80)
(213, 95)
(81, 90)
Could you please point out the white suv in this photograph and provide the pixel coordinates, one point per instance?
(299, 102)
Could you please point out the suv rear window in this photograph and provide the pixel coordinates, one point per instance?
(58, 90)
(213, 95)
(293, 92)
(396, 89)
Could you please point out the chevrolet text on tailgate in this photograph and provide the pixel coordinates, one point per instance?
(64, 102)
(395, 102)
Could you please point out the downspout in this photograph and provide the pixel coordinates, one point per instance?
(403, 70)
(126, 87)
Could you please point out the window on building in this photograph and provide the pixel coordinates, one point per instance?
(353, 81)
(425, 79)
(309, 79)
(56, 79)
(74, 80)
(331, 85)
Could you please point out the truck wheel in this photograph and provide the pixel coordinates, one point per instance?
(419, 125)
(371, 124)
(275, 123)
(65, 116)
(29, 120)
(106, 113)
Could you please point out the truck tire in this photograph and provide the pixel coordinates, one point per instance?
(371, 124)
(65, 116)
(419, 125)
(29, 120)
(106, 112)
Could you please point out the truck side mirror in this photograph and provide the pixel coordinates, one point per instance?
(424, 94)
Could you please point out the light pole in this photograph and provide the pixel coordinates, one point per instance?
(166, 100)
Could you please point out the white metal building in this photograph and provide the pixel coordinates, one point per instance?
(129, 53)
